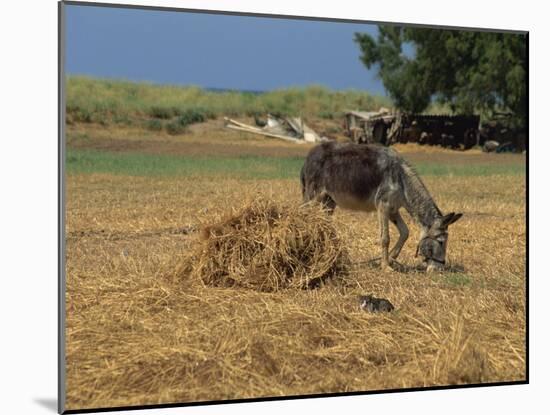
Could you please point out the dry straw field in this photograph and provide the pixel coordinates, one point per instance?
(151, 319)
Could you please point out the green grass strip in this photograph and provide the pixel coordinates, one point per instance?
(243, 167)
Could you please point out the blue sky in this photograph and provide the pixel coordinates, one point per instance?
(216, 51)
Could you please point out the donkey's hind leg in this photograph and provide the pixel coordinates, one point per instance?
(328, 202)
(398, 221)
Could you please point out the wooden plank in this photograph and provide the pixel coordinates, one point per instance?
(296, 124)
(264, 133)
(240, 124)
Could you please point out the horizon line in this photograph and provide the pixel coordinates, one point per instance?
(218, 88)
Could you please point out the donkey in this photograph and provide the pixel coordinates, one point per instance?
(368, 178)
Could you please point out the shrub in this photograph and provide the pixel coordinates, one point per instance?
(176, 127)
(78, 114)
(193, 115)
(164, 113)
(154, 125)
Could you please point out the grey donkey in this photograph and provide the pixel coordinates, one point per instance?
(374, 178)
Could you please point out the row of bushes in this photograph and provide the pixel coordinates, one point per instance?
(178, 124)
(122, 102)
(159, 116)
(188, 115)
(183, 118)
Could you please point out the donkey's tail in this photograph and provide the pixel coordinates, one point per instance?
(303, 182)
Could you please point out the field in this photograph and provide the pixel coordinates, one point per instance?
(138, 333)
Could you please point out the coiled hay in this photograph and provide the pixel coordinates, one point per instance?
(269, 246)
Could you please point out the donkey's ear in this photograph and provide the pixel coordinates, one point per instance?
(450, 218)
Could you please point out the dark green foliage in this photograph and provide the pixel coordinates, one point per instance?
(470, 71)
(192, 116)
(154, 125)
(185, 116)
(163, 113)
(188, 117)
(101, 112)
(176, 126)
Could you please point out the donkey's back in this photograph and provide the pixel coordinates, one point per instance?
(351, 176)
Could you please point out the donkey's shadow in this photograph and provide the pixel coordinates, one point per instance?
(396, 266)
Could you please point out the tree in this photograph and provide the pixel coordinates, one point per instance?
(470, 71)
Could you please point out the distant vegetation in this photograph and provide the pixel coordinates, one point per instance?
(157, 107)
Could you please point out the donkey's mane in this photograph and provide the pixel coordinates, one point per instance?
(420, 203)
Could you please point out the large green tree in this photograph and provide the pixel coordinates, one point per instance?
(470, 71)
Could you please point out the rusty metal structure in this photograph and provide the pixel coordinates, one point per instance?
(386, 128)
(369, 127)
(500, 129)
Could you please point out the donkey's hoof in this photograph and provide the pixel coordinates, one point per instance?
(397, 266)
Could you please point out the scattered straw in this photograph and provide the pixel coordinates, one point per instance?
(136, 335)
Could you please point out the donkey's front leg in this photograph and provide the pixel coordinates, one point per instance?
(398, 221)
(383, 220)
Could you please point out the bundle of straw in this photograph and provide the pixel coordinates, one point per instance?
(268, 246)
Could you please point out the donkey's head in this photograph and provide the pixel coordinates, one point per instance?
(433, 243)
